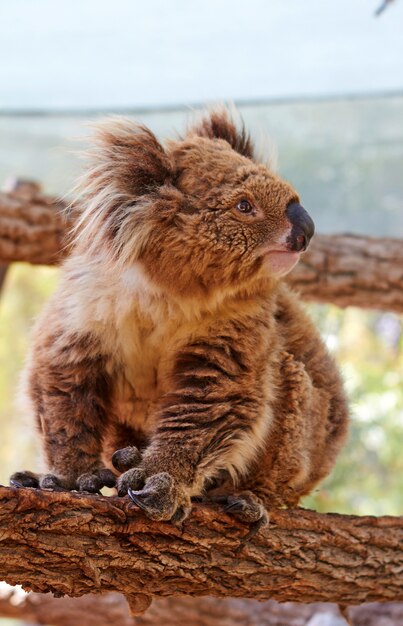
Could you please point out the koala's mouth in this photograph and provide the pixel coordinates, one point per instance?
(280, 261)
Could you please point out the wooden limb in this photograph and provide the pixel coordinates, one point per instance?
(9, 187)
(111, 609)
(348, 270)
(74, 544)
(342, 269)
(32, 225)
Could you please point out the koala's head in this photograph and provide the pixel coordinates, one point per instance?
(198, 214)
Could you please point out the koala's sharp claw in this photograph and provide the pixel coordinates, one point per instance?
(161, 498)
(253, 530)
(219, 499)
(236, 506)
(15, 483)
(180, 515)
(135, 496)
(256, 526)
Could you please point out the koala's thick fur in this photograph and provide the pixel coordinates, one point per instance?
(171, 334)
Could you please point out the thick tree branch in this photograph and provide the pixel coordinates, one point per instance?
(343, 269)
(75, 544)
(32, 225)
(349, 270)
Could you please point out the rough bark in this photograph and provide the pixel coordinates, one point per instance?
(348, 270)
(343, 269)
(111, 609)
(74, 544)
(32, 225)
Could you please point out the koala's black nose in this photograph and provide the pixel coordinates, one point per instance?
(303, 227)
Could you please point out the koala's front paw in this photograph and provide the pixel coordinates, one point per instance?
(89, 482)
(162, 499)
(43, 481)
(158, 494)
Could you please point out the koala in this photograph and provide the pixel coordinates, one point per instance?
(173, 357)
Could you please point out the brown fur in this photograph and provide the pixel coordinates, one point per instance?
(170, 330)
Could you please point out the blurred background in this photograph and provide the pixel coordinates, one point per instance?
(320, 86)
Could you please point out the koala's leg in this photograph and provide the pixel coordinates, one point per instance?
(69, 392)
(245, 506)
(211, 421)
(123, 437)
(285, 468)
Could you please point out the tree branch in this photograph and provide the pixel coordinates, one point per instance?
(32, 225)
(350, 270)
(342, 269)
(74, 544)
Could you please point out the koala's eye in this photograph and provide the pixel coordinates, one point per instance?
(245, 207)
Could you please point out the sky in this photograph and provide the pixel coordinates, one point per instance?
(99, 54)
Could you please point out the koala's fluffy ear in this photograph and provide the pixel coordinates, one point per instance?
(129, 156)
(218, 124)
(126, 165)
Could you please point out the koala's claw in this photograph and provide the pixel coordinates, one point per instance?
(157, 499)
(161, 499)
(134, 495)
(14, 483)
(180, 515)
(157, 512)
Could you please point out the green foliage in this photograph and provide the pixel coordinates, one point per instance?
(25, 290)
(368, 478)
